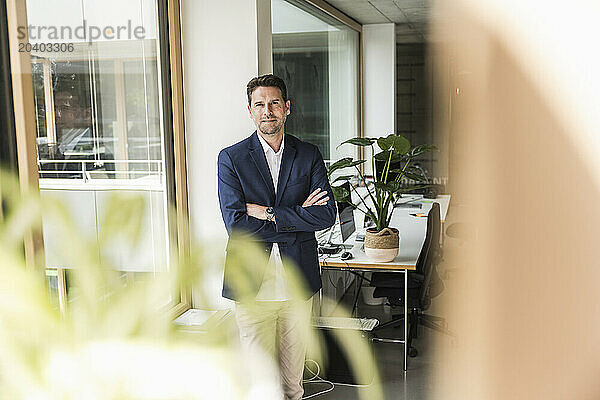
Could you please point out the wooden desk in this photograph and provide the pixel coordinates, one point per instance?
(402, 264)
(412, 235)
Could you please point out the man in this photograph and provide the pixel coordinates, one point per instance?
(274, 187)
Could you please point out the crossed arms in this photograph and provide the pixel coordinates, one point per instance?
(315, 213)
(316, 198)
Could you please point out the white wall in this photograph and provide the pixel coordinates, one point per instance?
(220, 55)
(379, 80)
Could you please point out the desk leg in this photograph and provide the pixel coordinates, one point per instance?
(358, 289)
(443, 233)
(320, 302)
(405, 318)
(321, 292)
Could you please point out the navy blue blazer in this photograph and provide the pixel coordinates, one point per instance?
(244, 177)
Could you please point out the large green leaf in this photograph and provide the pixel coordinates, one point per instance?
(343, 178)
(364, 141)
(415, 177)
(415, 170)
(396, 143)
(340, 194)
(401, 144)
(390, 187)
(396, 158)
(385, 143)
(423, 148)
(382, 155)
(396, 171)
(357, 162)
(411, 173)
(343, 163)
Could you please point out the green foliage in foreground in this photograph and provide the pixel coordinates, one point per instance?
(116, 339)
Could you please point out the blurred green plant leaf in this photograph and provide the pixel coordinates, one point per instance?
(115, 320)
(122, 219)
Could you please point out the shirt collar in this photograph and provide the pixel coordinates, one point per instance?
(267, 148)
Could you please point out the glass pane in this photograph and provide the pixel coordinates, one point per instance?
(37, 69)
(52, 285)
(98, 96)
(143, 130)
(317, 56)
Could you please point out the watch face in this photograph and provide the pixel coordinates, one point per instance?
(269, 212)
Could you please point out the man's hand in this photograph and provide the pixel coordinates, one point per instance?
(316, 199)
(256, 211)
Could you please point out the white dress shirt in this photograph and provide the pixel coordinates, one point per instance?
(273, 287)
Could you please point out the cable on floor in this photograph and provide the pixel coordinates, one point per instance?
(316, 379)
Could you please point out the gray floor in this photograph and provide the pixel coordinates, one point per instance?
(424, 370)
(397, 384)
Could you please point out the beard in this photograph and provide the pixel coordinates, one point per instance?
(271, 128)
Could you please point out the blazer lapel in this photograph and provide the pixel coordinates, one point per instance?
(258, 156)
(287, 160)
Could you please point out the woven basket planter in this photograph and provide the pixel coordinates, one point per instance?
(382, 246)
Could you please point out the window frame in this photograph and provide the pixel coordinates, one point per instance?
(169, 36)
(344, 19)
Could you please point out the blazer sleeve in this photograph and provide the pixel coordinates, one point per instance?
(312, 218)
(233, 206)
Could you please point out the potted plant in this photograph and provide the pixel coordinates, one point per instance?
(395, 163)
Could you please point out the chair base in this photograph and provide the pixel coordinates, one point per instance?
(416, 318)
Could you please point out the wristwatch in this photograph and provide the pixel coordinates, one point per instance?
(270, 214)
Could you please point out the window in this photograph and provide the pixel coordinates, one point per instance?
(103, 117)
(318, 57)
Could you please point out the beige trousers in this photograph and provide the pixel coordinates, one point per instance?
(279, 328)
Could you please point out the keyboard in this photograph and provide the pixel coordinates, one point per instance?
(357, 324)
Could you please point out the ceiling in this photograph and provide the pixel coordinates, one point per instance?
(410, 16)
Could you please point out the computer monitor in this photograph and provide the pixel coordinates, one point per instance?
(347, 228)
(346, 216)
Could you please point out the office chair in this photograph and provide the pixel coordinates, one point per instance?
(423, 285)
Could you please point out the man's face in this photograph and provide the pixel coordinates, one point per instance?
(268, 110)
